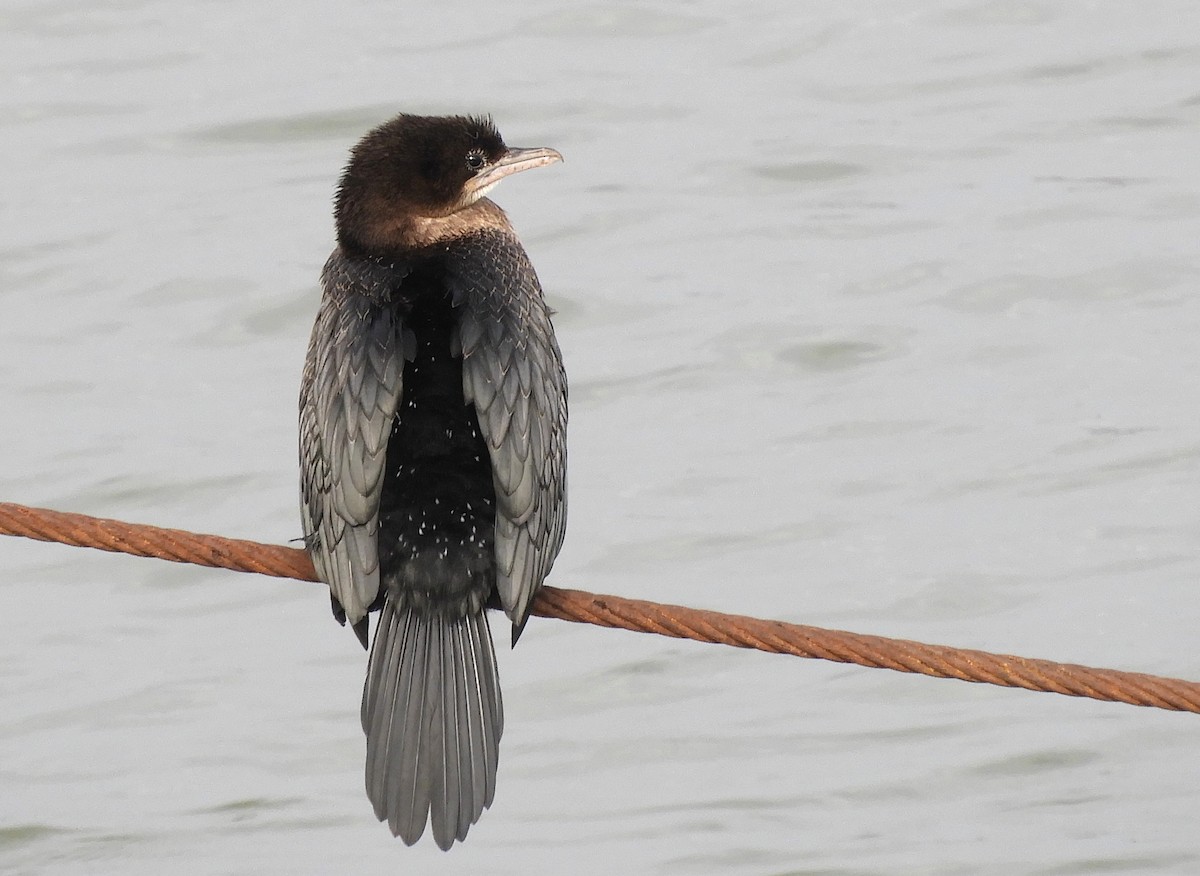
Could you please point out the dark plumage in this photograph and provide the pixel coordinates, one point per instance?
(433, 415)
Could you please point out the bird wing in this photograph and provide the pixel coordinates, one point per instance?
(351, 388)
(513, 374)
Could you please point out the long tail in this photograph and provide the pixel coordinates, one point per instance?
(432, 714)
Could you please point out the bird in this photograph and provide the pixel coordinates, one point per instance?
(432, 433)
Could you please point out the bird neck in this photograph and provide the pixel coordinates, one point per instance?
(379, 233)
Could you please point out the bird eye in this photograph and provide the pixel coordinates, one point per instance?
(475, 160)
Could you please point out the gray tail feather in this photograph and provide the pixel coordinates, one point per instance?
(433, 717)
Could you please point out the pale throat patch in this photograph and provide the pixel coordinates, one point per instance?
(475, 195)
(476, 215)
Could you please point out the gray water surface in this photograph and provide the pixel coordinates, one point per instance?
(878, 316)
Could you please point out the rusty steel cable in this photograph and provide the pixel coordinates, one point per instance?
(638, 615)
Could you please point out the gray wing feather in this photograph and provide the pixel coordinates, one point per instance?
(351, 388)
(513, 374)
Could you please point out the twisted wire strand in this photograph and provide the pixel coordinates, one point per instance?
(638, 615)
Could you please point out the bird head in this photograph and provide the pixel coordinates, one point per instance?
(423, 168)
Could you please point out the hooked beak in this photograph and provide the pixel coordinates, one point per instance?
(514, 161)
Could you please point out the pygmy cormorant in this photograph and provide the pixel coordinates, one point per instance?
(433, 417)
